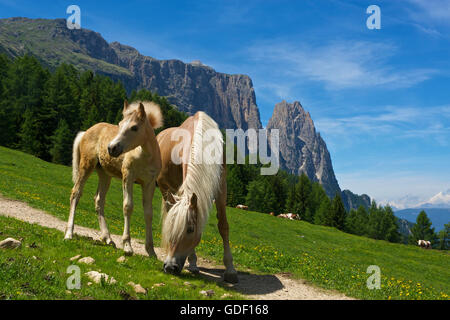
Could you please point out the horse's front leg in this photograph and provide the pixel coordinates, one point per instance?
(192, 259)
(230, 274)
(148, 191)
(127, 185)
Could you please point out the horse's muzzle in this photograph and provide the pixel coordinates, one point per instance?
(172, 268)
(115, 150)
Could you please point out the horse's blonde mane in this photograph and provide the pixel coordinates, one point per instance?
(202, 178)
(152, 110)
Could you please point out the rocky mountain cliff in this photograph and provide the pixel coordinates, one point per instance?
(302, 149)
(229, 99)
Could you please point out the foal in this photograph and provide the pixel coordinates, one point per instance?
(129, 152)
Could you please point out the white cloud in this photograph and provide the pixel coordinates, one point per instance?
(339, 65)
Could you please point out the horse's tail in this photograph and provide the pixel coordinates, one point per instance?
(76, 156)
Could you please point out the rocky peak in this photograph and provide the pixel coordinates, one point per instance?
(302, 149)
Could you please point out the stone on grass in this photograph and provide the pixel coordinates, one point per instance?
(121, 259)
(208, 293)
(137, 287)
(162, 284)
(10, 243)
(97, 277)
(78, 256)
(87, 260)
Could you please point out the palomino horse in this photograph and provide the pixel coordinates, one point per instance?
(129, 152)
(189, 188)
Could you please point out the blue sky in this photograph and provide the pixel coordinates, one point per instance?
(380, 98)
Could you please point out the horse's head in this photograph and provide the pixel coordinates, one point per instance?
(181, 232)
(132, 130)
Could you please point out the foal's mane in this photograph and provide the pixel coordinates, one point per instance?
(202, 178)
(152, 110)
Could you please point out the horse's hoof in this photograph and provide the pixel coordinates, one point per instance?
(152, 254)
(68, 237)
(128, 253)
(230, 277)
(193, 270)
(111, 243)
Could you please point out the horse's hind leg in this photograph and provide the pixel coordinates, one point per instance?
(104, 181)
(230, 274)
(148, 191)
(77, 190)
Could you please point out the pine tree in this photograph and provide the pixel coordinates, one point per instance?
(390, 226)
(444, 237)
(62, 144)
(338, 212)
(261, 196)
(356, 221)
(236, 190)
(422, 229)
(323, 215)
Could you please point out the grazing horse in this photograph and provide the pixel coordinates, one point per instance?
(129, 152)
(189, 188)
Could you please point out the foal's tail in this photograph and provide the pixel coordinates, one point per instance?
(76, 156)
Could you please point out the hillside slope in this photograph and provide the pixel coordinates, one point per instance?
(324, 256)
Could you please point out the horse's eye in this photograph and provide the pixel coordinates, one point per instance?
(134, 128)
(190, 229)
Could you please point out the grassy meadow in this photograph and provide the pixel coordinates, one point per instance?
(324, 256)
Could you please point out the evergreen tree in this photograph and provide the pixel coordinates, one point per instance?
(61, 150)
(444, 237)
(236, 190)
(299, 199)
(356, 221)
(23, 91)
(338, 212)
(261, 196)
(6, 120)
(422, 229)
(390, 226)
(323, 215)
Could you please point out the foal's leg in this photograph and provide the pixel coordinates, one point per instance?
(148, 191)
(77, 190)
(104, 181)
(127, 185)
(230, 274)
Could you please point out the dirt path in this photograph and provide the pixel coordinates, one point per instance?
(254, 286)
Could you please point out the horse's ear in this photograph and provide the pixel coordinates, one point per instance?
(125, 105)
(193, 201)
(141, 111)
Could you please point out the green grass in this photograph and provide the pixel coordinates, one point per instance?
(324, 256)
(38, 270)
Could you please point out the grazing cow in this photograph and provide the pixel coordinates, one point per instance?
(290, 216)
(241, 206)
(424, 244)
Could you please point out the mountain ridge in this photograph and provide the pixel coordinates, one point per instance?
(229, 99)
